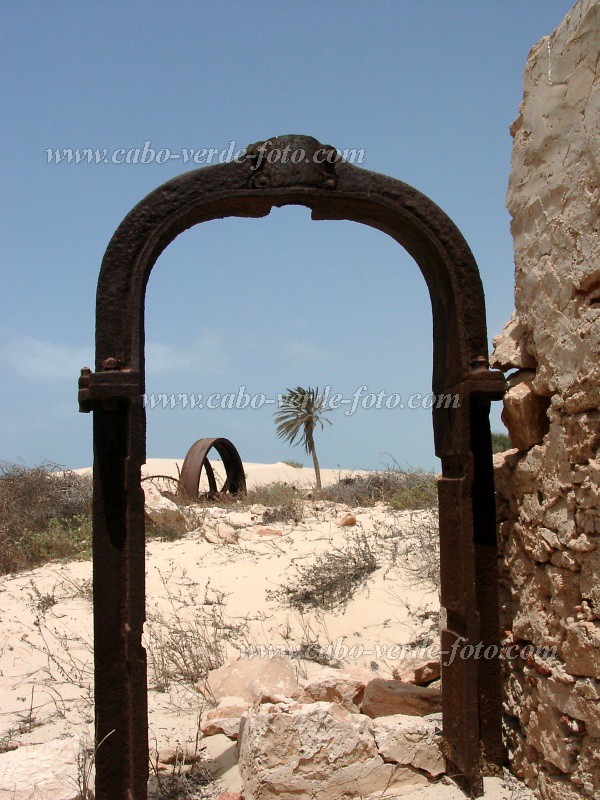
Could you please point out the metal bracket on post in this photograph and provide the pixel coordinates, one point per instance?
(106, 388)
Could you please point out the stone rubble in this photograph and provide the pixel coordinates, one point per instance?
(301, 751)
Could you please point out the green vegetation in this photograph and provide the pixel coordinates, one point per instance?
(45, 514)
(500, 442)
(291, 463)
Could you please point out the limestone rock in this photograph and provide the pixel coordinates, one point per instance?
(299, 752)
(47, 771)
(384, 698)
(335, 686)
(548, 509)
(164, 513)
(582, 649)
(260, 530)
(550, 737)
(418, 671)
(553, 198)
(575, 700)
(411, 741)
(552, 787)
(524, 413)
(225, 718)
(590, 579)
(218, 530)
(511, 347)
(251, 678)
(587, 772)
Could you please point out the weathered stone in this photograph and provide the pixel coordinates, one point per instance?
(46, 771)
(551, 738)
(552, 197)
(552, 787)
(164, 513)
(583, 436)
(581, 651)
(251, 678)
(524, 412)
(299, 752)
(411, 741)
(383, 698)
(260, 530)
(564, 588)
(218, 530)
(511, 347)
(587, 772)
(418, 671)
(571, 700)
(335, 686)
(590, 580)
(225, 718)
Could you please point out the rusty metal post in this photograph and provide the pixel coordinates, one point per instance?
(121, 696)
(471, 700)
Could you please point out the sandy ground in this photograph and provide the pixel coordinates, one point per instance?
(193, 588)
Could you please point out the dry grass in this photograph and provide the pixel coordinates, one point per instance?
(188, 778)
(417, 547)
(45, 514)
(189, 639)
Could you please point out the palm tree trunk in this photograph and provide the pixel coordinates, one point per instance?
(313, 452)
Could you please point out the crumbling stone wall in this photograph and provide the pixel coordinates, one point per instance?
(548, 486)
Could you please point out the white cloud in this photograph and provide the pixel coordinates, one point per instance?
(37, 359)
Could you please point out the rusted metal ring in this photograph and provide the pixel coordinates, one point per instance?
(197, 458)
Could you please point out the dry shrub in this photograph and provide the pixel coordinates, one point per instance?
(417, 548)
(332, 579)
(45, 514)
(397, 488)
(283, 501)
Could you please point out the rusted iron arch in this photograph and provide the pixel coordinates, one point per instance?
(197, 459)
(415, 221)
(468, 553)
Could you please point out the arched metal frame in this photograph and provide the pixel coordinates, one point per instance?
(250, 187)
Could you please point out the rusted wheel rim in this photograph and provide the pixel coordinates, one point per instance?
(197, 459)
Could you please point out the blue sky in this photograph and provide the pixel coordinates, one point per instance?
(427, 89)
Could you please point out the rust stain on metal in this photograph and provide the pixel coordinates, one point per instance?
(332, 189)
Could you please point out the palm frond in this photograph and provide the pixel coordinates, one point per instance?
(300, 412)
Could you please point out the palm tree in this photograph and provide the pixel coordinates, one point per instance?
(300, 412)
